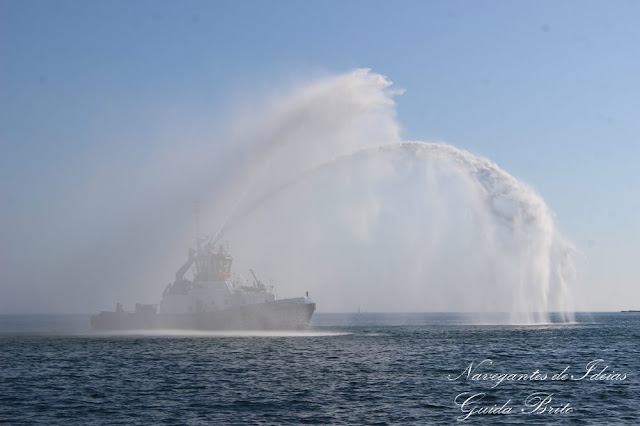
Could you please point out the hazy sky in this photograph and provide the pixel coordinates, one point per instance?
(95, 95)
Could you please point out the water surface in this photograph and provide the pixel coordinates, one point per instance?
(349, 368)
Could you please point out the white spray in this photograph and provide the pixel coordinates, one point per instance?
(336, 204)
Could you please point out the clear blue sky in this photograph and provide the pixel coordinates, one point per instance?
(550, 90)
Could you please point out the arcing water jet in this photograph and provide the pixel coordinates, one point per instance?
(447, 230)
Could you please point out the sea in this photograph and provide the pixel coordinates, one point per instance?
(366, 368)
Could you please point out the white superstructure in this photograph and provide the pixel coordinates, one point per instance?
(211, 289)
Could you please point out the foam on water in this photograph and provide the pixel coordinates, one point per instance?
(234, 333)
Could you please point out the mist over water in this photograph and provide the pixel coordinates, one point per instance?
(313, 188)
(335, 203)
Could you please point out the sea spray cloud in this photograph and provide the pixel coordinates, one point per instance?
(314, 189)
(333, 202)
(299, 130)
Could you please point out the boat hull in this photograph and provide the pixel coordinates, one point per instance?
(286, 314)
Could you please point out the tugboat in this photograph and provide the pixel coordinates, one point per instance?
(211, 300)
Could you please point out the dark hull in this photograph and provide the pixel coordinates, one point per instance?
(287, 314)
